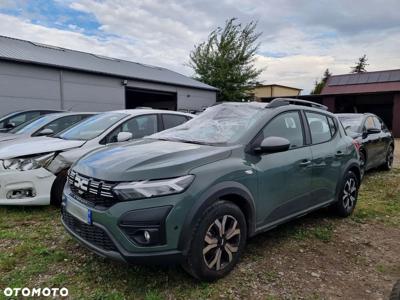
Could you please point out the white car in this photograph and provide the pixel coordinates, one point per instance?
(34, 171)
(45, 125)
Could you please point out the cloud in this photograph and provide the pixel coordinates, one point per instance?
(300, 38)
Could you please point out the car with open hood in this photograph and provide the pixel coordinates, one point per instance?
(45, 125)
(33, 172)
(195, 193)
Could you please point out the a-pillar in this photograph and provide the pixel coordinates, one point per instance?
(396, 116)
(329, 102)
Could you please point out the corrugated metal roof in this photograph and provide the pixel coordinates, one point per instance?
(363, 78)
(368, 82)
(31, 52)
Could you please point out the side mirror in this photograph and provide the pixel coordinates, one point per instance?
(10, 125)
(124, 136)
(273, 144)
(373, 130)
(46, 132)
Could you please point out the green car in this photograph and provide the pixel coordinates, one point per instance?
(194, 194)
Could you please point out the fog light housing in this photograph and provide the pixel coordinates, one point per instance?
(21, 193)
(146, 236)
(145, 227)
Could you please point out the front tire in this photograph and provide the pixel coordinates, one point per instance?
(58, 188)
(217, 242)
(348, 194)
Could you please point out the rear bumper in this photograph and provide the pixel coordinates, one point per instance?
(158, 258)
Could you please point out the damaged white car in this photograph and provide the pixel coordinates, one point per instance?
(34, 171)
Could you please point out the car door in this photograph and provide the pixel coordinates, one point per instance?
(328, 155)
(371, 143)
(139, 126)
(284, 178)
(383, 142)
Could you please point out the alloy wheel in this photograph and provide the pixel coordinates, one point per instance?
(221, 242)
(349, 193)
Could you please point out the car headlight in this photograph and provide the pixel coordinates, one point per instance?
(30, 163)
(152, 188)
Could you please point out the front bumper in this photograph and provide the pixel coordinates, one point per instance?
(106, 237)
(159, 258)
(38, 180)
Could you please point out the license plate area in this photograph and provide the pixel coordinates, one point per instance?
(78, 211)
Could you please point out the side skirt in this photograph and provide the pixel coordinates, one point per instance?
(296, 215)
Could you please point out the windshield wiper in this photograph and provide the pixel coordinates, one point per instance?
(183, 141)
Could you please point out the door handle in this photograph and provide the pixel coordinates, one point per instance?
(339, 153)
(305, 163)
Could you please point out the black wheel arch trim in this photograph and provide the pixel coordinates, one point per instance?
(348, 167)
(217, 192)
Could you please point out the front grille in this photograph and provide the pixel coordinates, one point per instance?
(89, 233)
(92, 192)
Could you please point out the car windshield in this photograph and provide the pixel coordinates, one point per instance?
(352, 123)
(91, 127)
(220, 124)
(32, 125)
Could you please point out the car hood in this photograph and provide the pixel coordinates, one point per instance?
(10, 136)
(36, 145)
(148, 159)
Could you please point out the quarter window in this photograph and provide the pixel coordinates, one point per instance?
(319, 127)
(286, 125)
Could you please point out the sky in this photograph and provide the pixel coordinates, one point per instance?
(300, 38)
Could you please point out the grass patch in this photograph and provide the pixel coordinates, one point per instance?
(35, 251)
(379, 198)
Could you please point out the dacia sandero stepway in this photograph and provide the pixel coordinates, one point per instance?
(194, 194)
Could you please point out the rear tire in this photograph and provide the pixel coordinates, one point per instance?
(217, 243)
(395, 295)
(347, 197)
(58, 188)
(387, 166)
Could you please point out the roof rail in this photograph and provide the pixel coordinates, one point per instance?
(287, 101)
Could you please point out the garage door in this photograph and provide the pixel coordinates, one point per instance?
(149, 98)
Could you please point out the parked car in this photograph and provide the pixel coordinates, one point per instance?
(195, 193)
(45, 125)
(34, 172)
(374, 140)
(395, 294)
(14, 119)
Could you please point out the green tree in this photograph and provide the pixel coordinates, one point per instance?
(360, 66)
(226, 60)
(319, 85)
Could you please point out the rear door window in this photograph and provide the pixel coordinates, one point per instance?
(170, 120)
(319, 127)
